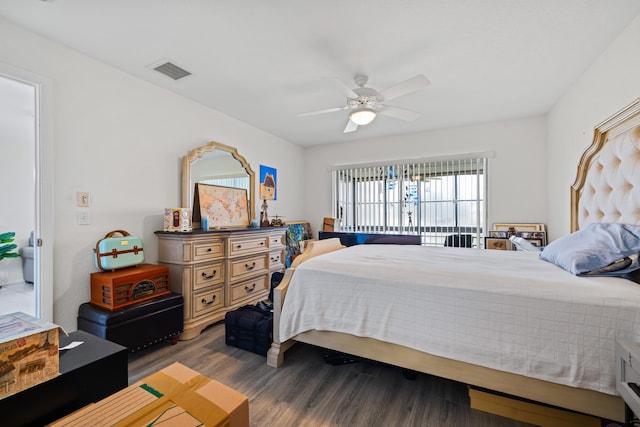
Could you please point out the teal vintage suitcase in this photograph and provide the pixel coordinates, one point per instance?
(114, 252)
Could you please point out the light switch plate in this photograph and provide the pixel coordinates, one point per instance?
(84, 217)
(83, 199)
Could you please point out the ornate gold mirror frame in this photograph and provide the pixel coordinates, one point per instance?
(198, 154)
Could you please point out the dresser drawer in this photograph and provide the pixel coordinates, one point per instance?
(210, 249)
(276, 240)
(208, 275)
(247, 246)
(207, 302)
(249, 288)
(276, 260)
(248, 267)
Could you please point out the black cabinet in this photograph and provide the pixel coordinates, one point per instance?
(88, 373)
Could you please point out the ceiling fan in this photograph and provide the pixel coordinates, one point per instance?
(366, 102)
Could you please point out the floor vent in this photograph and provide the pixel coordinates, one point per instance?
(172, 70)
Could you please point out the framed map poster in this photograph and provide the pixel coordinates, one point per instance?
(225, 206)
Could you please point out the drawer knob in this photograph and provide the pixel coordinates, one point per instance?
(261, 243)
(250, 289)
(209, 249)
(205, 302)
(213, 274)
(250, 267)
(239, 247)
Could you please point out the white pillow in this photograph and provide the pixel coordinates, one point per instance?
(598, 247)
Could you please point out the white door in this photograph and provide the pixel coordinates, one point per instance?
(25, 193)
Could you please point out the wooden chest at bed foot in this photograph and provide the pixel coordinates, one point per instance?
(120, 288)
(136, 326)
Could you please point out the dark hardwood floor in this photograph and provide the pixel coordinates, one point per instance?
(307, 391)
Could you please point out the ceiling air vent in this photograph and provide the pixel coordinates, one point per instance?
(172, 70)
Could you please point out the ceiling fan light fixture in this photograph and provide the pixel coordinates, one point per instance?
(363, 116)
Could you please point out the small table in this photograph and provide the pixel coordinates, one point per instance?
(88, 373)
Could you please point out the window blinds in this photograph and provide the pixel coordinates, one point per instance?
(434, 198)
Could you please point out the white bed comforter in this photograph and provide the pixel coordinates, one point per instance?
(500, 309)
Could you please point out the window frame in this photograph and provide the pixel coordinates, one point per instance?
(353, 183)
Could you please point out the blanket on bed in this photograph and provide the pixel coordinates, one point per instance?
(500, 309)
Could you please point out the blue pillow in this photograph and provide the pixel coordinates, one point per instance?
(595, 247)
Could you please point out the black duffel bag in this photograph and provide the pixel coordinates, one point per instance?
(250, 328)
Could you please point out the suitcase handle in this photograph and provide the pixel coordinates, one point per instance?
(111, 233)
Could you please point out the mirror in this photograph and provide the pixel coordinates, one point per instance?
(216, 164)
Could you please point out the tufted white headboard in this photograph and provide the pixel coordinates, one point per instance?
(607, 185)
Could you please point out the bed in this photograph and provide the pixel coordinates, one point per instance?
(499, 320)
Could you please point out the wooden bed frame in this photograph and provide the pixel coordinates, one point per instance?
(562, 396)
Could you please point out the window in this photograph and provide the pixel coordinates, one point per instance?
(434, 198)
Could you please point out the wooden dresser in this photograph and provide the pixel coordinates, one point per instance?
(219, 271)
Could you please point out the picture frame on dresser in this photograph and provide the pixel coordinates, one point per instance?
(224, 206)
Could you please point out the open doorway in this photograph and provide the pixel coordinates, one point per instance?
(17, 192)
(25, 193)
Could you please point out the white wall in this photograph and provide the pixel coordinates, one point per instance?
(611, 83)
(517, 174)
(122, 139)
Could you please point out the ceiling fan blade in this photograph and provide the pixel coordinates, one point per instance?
(399, 113)
(350, 127)
(343, 88)
(328, 110)
(413, 84)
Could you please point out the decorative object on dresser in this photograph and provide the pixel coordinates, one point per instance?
(264, 215)
(220, 206)
(219, 271)
(268, 188)
(177, 219)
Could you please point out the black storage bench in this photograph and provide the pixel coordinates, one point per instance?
(136, 326)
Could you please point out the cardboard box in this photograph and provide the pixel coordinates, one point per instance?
(177, 219)
(174, 397)
(28, 352)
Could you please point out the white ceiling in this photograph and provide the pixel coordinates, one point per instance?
(263, 62)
